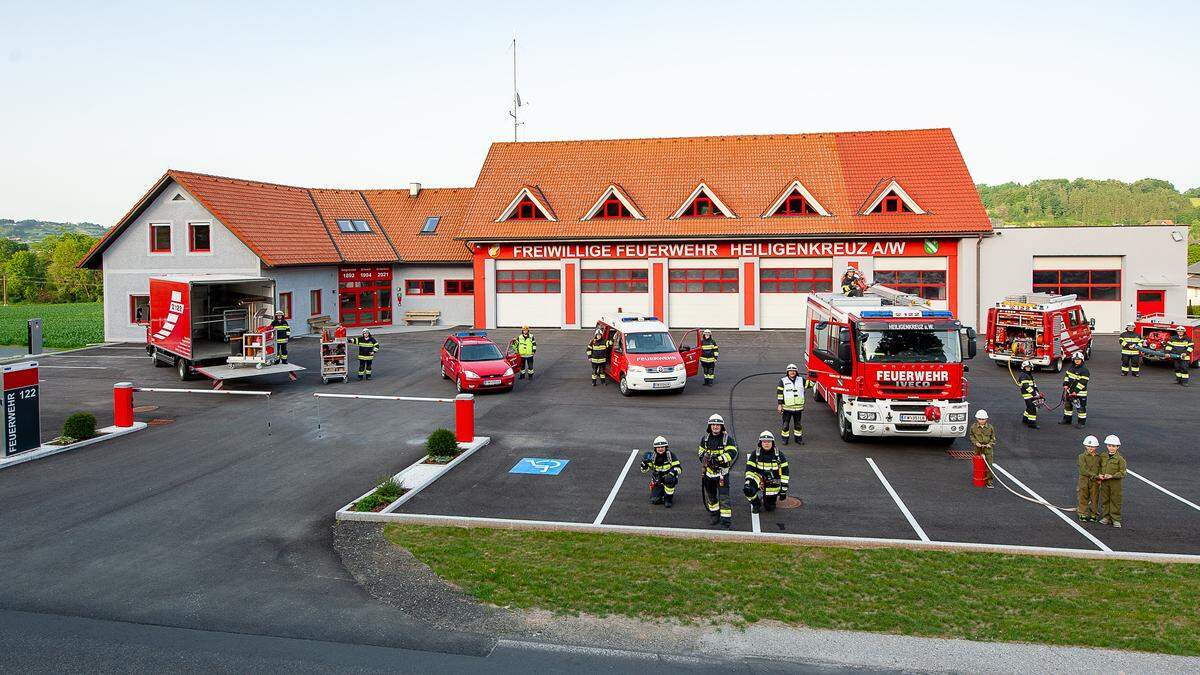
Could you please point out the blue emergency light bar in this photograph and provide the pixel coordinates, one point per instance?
(639, 318)
(471, 333)
(887, 313)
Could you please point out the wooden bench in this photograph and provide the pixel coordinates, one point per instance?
(430, 315)
(316, 323)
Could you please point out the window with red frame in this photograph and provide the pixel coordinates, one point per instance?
(314, 302)
(160, 238)
(929, 284)
(713, 280)
(795, 205)
(614, 281)
(285, 305)
(1087, 284)
(526, 210)
(199, 238)
(459, 287)
(613, 208)
(891, 204)
(701, 207)
(527, 281)
(418, 287)
(795, 279)
(139, 309)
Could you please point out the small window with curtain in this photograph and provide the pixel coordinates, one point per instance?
(199, 238)
(160, 238)
(314, 302)
(285, 305)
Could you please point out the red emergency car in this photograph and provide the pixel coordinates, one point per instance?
(1158, 328)
(475, 363)
(644, 357)
(1043, 328)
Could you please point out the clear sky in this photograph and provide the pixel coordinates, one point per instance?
(98, 99)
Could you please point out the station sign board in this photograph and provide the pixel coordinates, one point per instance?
(720, 249)
(22, 416)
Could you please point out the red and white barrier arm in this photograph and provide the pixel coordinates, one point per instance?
(123, 399)
(464, 410)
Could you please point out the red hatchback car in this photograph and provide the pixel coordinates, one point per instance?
(475, 363)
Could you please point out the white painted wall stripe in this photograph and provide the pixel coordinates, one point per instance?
(899, 502)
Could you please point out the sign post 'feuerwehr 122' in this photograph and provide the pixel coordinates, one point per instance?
(22, 417)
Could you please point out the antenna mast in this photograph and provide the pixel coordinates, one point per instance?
(516, 97)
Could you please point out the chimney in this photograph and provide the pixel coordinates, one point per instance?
(414, 189)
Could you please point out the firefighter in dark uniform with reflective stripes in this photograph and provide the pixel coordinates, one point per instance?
(767, 475)
(1029, 393)
(283, 332)
(708, 357)
(1180, 349)
(789, 401)
(852, 283)
(367, 346)
(1131, 355)
(718, 453)
(1075, 387)
(664, 469)
(597, 352)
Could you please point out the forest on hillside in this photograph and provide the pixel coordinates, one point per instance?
(45, 271)
(31, 230)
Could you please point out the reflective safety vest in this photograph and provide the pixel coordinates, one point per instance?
(1130, 341)
(790, 393)
(525, 344)
(708, 351)
(768, 469)
(1180, 347)
(282, 330)
(1028, 386)
(1076, 379)
(717, 454)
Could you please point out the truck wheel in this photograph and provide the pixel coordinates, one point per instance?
(154, 357)
(1087, 354)
(1056, 366)
(624, 387)
(817, 395)
(844, 428)
(184, 369)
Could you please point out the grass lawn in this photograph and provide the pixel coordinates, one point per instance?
(63, 326)
(977, 596)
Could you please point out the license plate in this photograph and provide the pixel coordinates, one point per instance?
(660, 385)
(912, 418)
(490, 383)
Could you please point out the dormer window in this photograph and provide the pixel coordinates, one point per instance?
(613, 208)
(892, 204)
(527, 210)
(700, 206)
(796, 200)
(893, 199)
(526, 206)
(702, 203)
(613, 203)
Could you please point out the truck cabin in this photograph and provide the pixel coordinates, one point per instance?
(879, 337)
(223, 312)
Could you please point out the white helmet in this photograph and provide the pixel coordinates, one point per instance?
(1180, 329)
(766, 436)
(1112, 439)
(716, 419)
(981, 414)
(1077, 356)
(1027, 365)
(1129, 326)
(707, 332)
(1091, 442)
(792, 366)
(660, 442)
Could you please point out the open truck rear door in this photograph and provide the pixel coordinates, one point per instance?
(689, 350)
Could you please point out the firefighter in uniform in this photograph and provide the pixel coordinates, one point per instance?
(1131, 355)
(1088, 487)
(1180, 348)
(664, 469)
(283, 331)
(597, 352)
(1029, 393)
(525, 347)
(982, 438)
(1112, 470)
(766, 475)
(852, 283)
(1075, 390)
(718, 453)
(367, 346)
(789, 400)
(708, 357)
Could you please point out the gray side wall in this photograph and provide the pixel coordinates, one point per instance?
(455, 309)
(299, 281)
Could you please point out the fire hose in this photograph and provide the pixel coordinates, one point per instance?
(785, 503)
(1004, 485)
(1039, 398)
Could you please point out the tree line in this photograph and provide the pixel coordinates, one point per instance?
(45, 271)
(1058, 201)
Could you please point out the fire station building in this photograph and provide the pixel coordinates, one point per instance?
(722, 232)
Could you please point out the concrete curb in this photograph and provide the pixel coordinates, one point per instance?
(422, 482)
(48, 450)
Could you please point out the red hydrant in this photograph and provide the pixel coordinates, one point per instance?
(980, 473)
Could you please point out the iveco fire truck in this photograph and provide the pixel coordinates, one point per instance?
(888, 364)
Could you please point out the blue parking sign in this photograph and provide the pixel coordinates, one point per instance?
(540, 466)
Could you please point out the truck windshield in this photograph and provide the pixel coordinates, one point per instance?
(889, 345)
(649, 343)
(480, 352)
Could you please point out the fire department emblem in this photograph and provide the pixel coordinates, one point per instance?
(494, 250)
(931, 246)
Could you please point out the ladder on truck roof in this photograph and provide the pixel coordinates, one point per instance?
(897, 298)
(1038, 301)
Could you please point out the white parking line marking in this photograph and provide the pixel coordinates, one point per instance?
(754, 524)
(94, 356)
(75, 367)
(615, 488)
(903, 509)
(1161, 488)
(1066, 519)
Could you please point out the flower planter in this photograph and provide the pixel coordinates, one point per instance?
(419, 475)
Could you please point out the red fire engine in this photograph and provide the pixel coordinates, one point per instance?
(888, 364)
(1043, 328)
(1158, 328)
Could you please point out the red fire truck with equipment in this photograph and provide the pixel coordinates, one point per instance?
(1158, 328)
(888, 364)
(1040, 327)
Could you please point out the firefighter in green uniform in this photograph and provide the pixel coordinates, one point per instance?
(1180, 348)
(1131, 355)
(283, 332)
(367, 346)
(718, 452)
(525, 347)
(1088, 488)
(597, 353)
(982, 438)
(1075, 390)
(1112, 470)
(789, 401)
(1029, 393)
(664, 469)
(708, 357)
(767, 475)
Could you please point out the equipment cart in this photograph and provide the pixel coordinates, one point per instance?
(333, 354)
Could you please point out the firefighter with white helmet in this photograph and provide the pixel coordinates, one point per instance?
(664, 468)
(1088, 488)
(708, 356)
(1075, 390)
(767, 474)
(1029, 394)
(718, 452)
(597, 353)
(789, 399)
(367, 347)
(1112, 470)
(982, 438)
(1180, 348)
(525, 347)
(283, 332)
(1131, 354)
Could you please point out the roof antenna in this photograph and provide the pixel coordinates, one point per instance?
(516, 96)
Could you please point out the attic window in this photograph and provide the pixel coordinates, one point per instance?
(431, 224)
(353, 226)
(613, 204)
(893, 199)
(702, 203)
(892, 204)
(179, 197)
(527, 210)
(613, 208)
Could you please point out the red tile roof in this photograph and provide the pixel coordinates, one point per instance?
(403, 216)
(746, 172)
(355, 247)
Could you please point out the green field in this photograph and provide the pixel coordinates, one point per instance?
(977, 596)
(63, 326)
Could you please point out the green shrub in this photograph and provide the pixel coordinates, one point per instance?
(368, 503)
(441, 445)
(81, 425)
(389, 490)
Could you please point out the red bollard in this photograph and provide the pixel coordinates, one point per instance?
(123, 404)
(464, 418)
(980, 473)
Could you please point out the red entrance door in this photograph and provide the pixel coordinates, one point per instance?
(365, 296)
(1151, 302)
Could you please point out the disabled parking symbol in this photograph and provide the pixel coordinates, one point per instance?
(540, 466)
